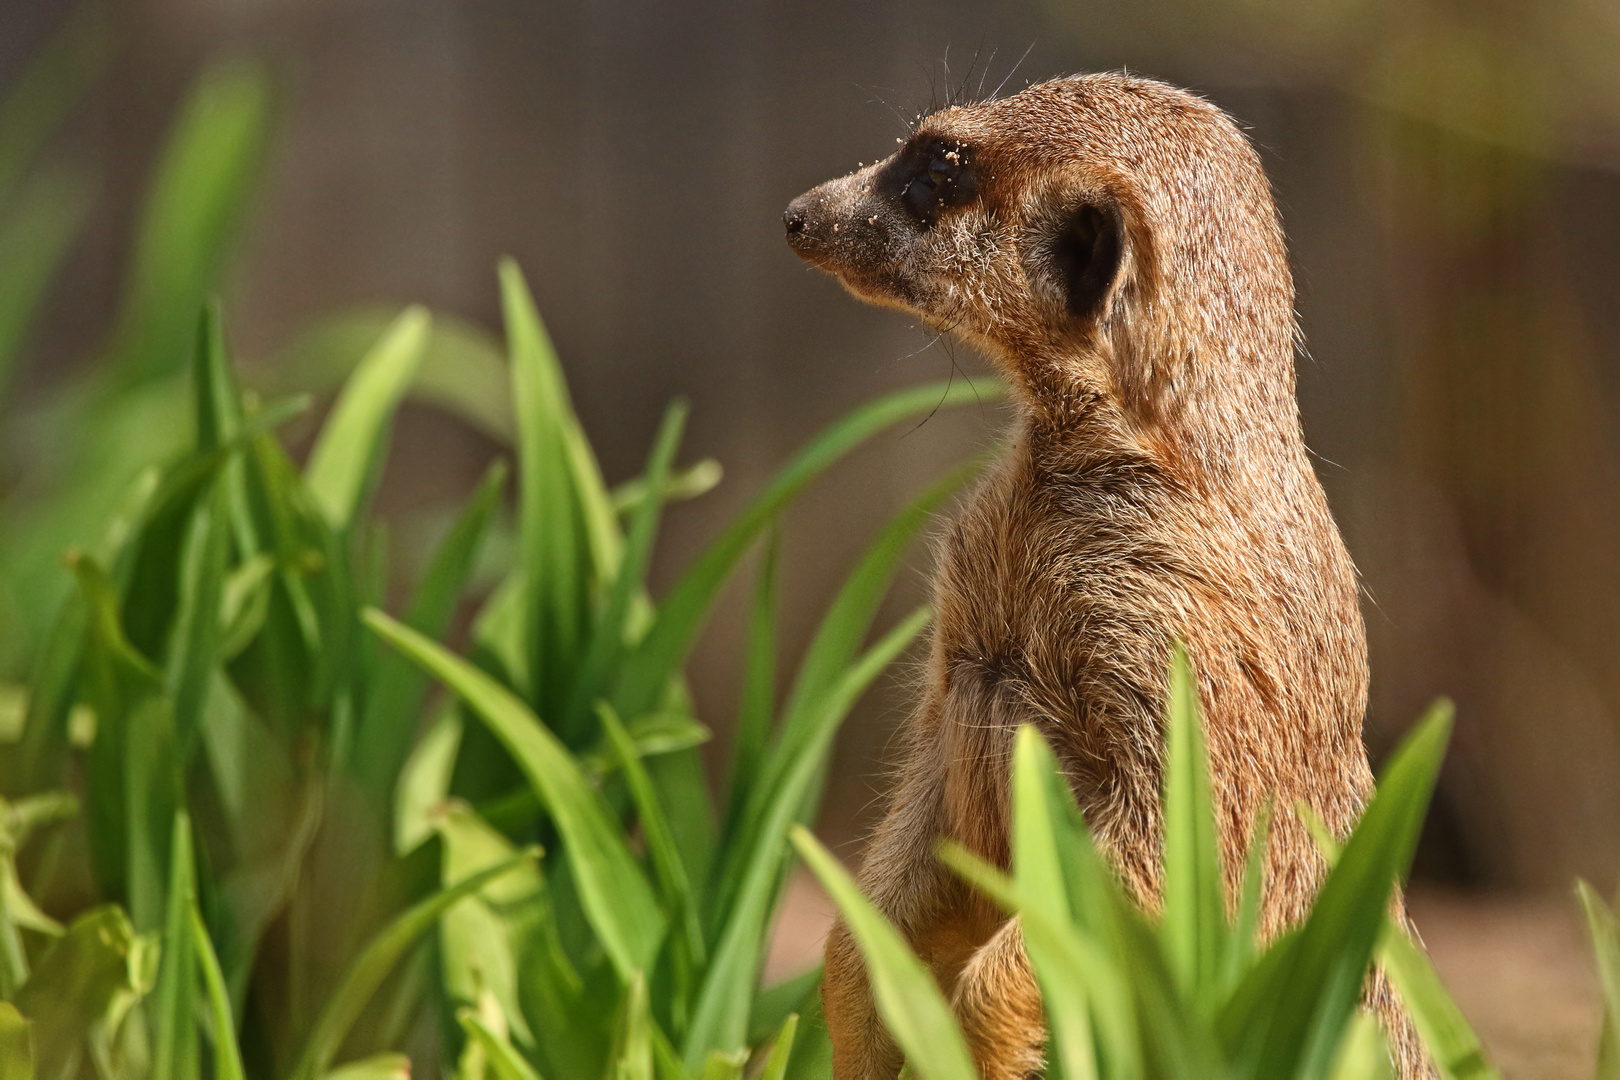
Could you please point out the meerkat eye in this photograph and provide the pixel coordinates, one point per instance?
(942, 178)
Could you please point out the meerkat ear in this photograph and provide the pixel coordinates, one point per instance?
(1087, 255)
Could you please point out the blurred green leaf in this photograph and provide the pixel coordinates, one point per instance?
(652, 736)
(176, 1055)
(396, 687)
(1605, 933)
(374, 963)
(724, 1066)
(907, 996)
(75, 982)
(1194, 923)
(668, 868)
(753, 732)
(1285, 1018)
(662, 652)
(632, 1057)
(1039, 874)
(424, 781)
(36, 232)
(774, 1004)
(50, 87)
(1451, 1042)
(198, 196)
(560, 492)
(375, 1067)
(463, 370)
(192, 651)
(618, 901)
(1364, 1052)
(695, 480)
(507, 1062)
(781, 1051)
(477, 944)
(1241, 943)
(608, 629)
(16, 1044)
(812, 1047)
(352, 443)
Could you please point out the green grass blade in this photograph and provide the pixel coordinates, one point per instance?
(617, 898)
(374, 963)
(198, 196)
(683, 612)
(758, 692)
(608, 629)
(1241, 942)
(75, 982)
(1039, 873)
(216, 398)
(724, 1066)
(478, 937)
(668, 868)
(1312, 993)
(348, 452)
(424, 780)
(39, 757)
(773, 1004)
(227, 1054)
(1600, 922)
(602, 536)
(1451, 1042)
(384, 1066)
(633, 1048)
(1194, 926)
(720, 1019)
(192, 654)
(395, 690)
(16, 1044)
(776, 1065)
(907, 996)
(1365, 1052)
(501, 1054)
(1036, 865)
(699, 478)
(175, 1055)
(553, 549)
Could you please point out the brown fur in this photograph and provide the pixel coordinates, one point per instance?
(1156, 487)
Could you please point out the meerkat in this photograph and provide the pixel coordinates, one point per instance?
(1111, 243)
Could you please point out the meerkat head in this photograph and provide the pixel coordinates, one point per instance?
(1104, 230)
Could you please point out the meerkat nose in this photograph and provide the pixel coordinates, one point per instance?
(793, 217)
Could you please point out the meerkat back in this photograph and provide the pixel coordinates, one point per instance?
(1111, 244)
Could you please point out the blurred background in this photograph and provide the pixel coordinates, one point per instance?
(1448, 174)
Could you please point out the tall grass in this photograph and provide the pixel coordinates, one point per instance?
(240, 718)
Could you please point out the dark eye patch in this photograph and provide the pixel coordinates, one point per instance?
(931, 175)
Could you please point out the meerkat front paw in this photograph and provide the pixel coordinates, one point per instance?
(999, 1007)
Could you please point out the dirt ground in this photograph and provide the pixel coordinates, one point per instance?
(1519, 967)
